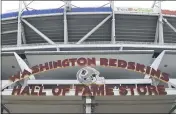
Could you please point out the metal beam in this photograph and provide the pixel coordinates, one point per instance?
(23, 34)
(65, 23)
(3, 107)
(113, 23)
(156, 34)
(23, 66)
(173, 109)
(108, 81)
(153, 4)
(94, 29)
(170, 25)
(9, 32)
(9, 22)
(68, 5)
(25, 5)
(19, 41)
(155, 66)
(161, 39)
(32, 47)
(156, 63)
(65, 29)
(38, 32)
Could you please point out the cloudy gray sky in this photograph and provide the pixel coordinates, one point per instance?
(8, 6)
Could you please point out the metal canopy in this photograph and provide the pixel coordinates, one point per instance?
(101, 104)
(35, 104)
(134, 104)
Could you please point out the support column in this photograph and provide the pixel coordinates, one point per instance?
(19, 41)
(113, 23)
(8, 32)
(65, 22)
(23, 34)
(153, 4)
(88, 107)
(161, 38)
(156, 34)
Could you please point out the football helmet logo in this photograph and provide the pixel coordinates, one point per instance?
(88, 75)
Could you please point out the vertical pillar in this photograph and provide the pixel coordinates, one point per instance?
(23, 34)
(67, 7)
(113, 23)
(65, 27)
(156, 34)
(88, 103)
(19, 25)
(161, 38)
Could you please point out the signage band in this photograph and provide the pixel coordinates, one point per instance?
(104, 62)
(91, 90)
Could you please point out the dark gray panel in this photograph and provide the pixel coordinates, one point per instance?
(135, 28)
(9, 25)
(80, 25)
(169, 34)
(52, 27)
(102, 34)
(9, 39)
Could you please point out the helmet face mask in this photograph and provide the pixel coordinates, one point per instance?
(87, 75)
(84, 72)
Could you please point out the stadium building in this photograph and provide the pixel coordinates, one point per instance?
(89, 60)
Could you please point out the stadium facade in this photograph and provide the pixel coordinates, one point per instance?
(130, 54)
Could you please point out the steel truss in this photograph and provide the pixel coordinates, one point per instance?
(159, 39)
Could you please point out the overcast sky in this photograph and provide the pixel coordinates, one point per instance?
(8, 6)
